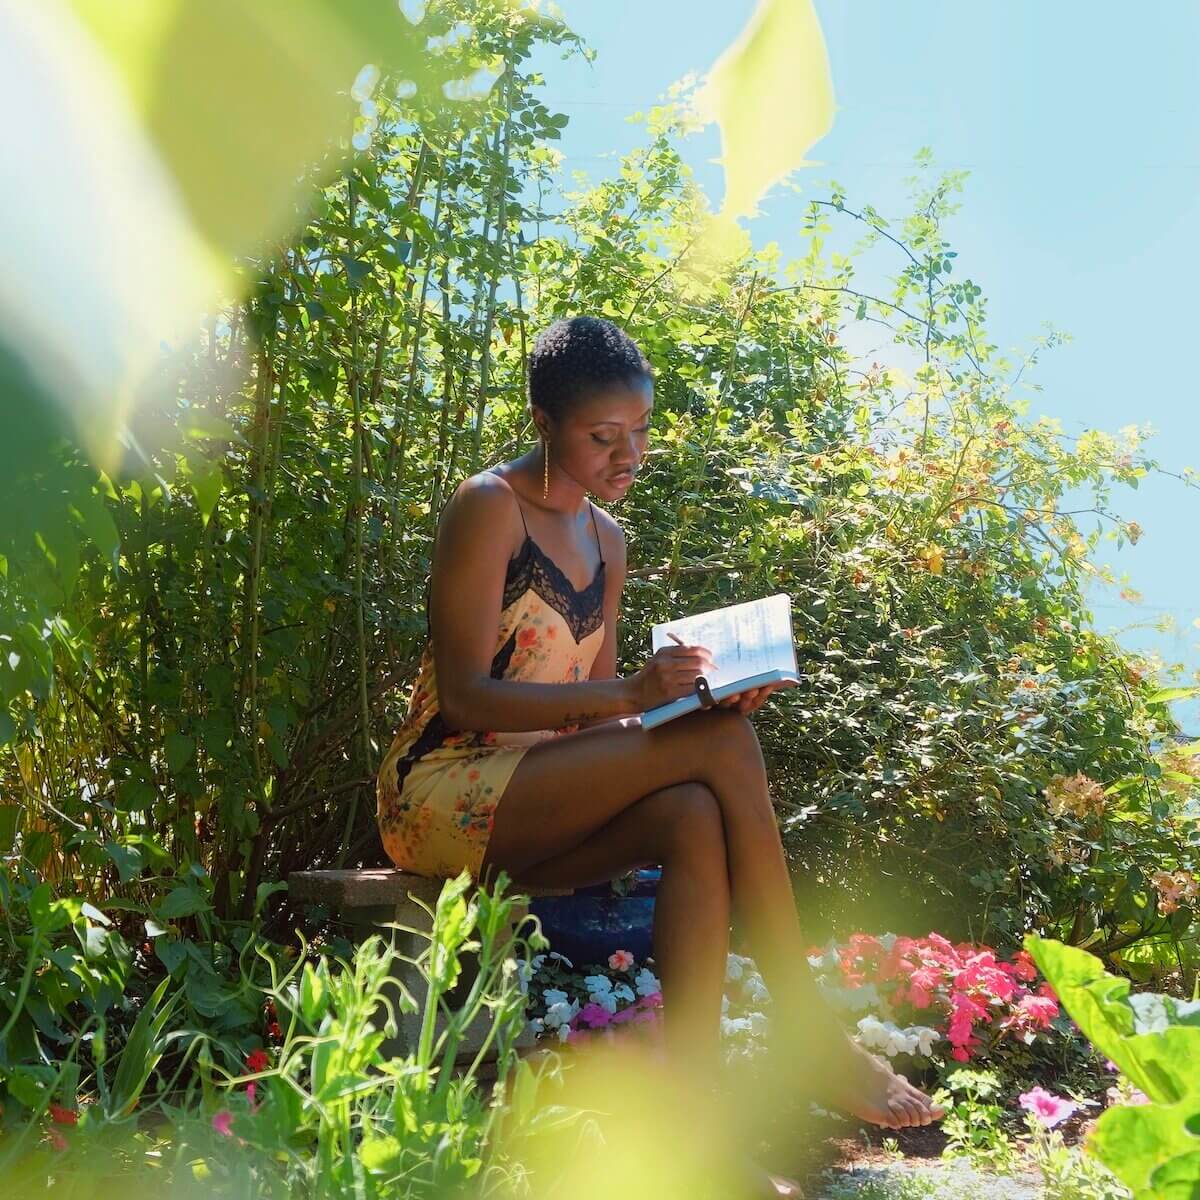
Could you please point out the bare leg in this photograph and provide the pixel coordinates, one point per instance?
(569, 788)
(679, 827)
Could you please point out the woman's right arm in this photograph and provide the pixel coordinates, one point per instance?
(474, 544)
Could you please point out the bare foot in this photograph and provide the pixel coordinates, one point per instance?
(874, 1092)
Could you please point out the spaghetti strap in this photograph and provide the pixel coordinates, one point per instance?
(599, 548)
(520, 509)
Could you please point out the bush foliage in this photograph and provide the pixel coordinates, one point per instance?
(207, 647)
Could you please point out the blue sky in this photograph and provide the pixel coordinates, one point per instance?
(1081, 130)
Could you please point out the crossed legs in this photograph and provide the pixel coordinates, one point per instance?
(692, 795)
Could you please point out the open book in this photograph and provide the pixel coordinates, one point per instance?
(751, 645)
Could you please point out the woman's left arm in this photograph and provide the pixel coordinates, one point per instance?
(605, 665)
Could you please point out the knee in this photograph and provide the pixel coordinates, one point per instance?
(728, 737)
(690, 821)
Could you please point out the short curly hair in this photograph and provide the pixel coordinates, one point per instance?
(575, 356)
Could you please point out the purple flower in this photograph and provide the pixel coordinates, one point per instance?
(1051, 1110)
(595, 1015)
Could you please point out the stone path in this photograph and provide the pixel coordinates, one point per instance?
(937, 1179)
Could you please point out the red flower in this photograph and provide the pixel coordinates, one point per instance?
(274, 1031)
(1024, 966)
(63, 1116)
(256, 1061)
(527, 637)
(57, 1140)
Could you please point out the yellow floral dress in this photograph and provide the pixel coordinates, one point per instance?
(438, 788)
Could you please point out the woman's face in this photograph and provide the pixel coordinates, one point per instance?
(600, 441)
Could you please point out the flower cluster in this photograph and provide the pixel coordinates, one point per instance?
(744, 1024)
(579, 1002)
(917, 992)
(1076, 794)
(1172, 887)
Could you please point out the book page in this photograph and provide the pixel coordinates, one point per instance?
(744, 639)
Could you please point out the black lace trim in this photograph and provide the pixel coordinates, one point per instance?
(583, 611)
(504, 656)
(430, 738)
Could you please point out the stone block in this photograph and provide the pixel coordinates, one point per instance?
(370, 899)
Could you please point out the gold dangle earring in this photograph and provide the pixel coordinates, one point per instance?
(545, 468)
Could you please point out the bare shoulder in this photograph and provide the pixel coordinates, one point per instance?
(485, 504)
(612, 536)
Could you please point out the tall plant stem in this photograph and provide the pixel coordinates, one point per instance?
(485, 362)
(364, 703)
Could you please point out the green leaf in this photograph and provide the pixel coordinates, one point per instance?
(1166, 695)
(264, 892)
(314, 998)
(356, 269)
(96, 521)
(199, 423)
(127, 859)
(379, 1153)
(183, 902)
(206, 487)
(170, 953)
(771, 93)
(180, 749)
(142, 1051)
(48, 914)
(1162, 1063)
(1135, 1142)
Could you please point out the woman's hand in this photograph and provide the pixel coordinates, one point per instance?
(751, 701)
(670, 674)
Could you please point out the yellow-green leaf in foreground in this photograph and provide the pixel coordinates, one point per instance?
(771, 93)
(1152, 1148)
(1164, 1063)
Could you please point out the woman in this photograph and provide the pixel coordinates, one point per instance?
(522, 751)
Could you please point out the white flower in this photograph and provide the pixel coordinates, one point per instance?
(925, 1038)
(623, 992)
(735, 965)
(561, 1014)
(562, 958)
(538, 961)
(597, 983)
(606, 1000)
(724, 1005)
(564, 1031)
(896, 1041)
(760, 1024)
(816, 961)
(553, 996)
(887, 941)
(756, 990)
(732, 1026)
(647, 982)
(537, 1025)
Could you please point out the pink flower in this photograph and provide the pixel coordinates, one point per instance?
(1024, 967)
(251, 1095)
(620, 960)
(1133, 1098)
(1048, 1108)
(595, 1015)
(1038, 1011)
(222, 1122)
